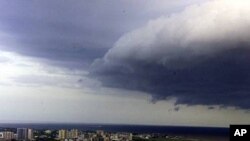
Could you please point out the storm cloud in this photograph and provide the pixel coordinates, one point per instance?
(199, 56)
(72, 34)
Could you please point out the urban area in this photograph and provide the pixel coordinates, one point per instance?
(27, 134)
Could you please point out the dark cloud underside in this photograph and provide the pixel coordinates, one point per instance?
(200, 56)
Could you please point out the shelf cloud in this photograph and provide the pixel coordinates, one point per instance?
(199, 56)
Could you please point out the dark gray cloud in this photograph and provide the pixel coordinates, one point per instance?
(50, 30)
(199, 56)
(72, 34)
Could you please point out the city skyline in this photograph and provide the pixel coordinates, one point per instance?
(179, 62)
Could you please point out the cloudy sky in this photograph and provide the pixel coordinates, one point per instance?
(175, 62)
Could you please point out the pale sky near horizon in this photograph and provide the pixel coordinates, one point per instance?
(177, 62)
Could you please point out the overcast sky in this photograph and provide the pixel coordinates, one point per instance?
(174, 62)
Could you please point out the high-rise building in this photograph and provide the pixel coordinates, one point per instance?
(30, 134)
(130, 136)
(62, 134)
(73, 133)
(100, 132)
(22, 134)
(8, 135)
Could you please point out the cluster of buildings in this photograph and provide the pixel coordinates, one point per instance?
(26, 134)
(22, 134)
(99, 135)
(68, 134)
